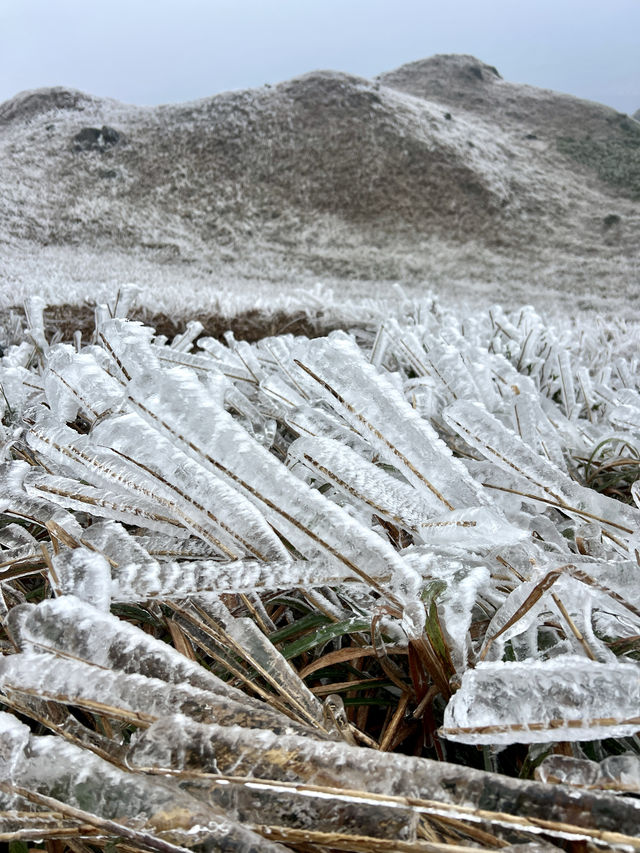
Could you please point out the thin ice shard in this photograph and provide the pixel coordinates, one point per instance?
(317, 421)
(565, 698)
(536, 430)
(202, 364)
(455, 586)
(128, 343)
(444, 363)
(570, 597)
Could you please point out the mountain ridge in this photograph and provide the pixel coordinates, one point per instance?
(439, 172)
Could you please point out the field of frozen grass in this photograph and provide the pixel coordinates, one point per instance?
(374, 590)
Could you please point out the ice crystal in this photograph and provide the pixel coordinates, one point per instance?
(426, 489)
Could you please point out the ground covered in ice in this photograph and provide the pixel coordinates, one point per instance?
(364, 589)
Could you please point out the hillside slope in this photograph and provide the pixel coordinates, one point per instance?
(439, 172)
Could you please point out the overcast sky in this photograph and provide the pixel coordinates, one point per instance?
(159, 51)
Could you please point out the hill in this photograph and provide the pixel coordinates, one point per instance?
(438, 173)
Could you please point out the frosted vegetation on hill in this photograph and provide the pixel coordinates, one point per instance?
(275, 596)
(439, 172)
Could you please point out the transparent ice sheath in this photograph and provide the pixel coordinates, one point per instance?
(52, 767)
(565, 698)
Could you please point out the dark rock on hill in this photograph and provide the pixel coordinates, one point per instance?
(96, 139)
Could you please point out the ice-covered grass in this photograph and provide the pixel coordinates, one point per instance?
(275, 595)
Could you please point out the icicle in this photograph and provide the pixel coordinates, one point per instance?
(540, 479)
(565, 698)
(368, 400)
(368, 485)
(184, 341)
(34, 310)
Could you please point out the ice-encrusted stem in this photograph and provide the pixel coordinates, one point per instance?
(301, 514)
(540, 477)
(134, 698)
(48, 769)
(372, 405)
(565, 698)
(178, 744)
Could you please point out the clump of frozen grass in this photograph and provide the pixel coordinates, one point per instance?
(400, 539)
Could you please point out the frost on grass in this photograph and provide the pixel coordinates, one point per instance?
(442, 511)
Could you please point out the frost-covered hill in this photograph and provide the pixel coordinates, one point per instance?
(439, 172)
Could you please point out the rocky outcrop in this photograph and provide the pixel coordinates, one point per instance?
(96, 139)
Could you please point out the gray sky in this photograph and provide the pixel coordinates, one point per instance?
(155, 51)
